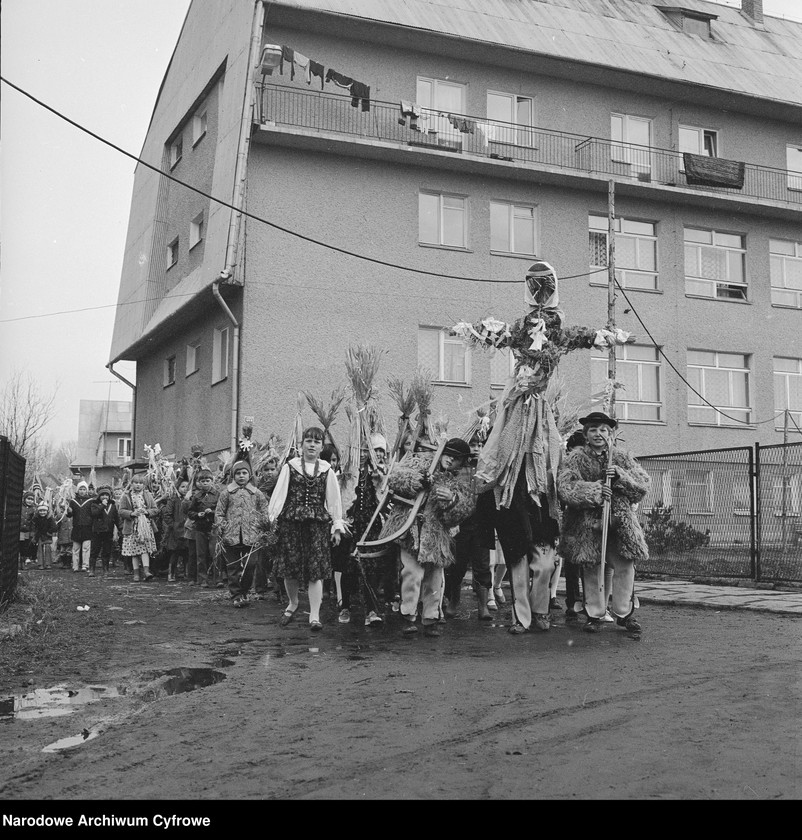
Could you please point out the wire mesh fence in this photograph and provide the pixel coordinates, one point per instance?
(12, 477)
(779, 511)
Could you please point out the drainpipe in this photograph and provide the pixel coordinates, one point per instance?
(110, 369)
(240, 177)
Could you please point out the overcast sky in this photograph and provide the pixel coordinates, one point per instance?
(65, 196)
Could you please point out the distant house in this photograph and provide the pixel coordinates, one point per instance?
(104, 439)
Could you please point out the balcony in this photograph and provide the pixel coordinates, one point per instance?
(538, 149)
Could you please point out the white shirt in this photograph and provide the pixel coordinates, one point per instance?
(333, 500)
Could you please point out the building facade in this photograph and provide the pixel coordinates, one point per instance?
(105, 441)
(399, 169)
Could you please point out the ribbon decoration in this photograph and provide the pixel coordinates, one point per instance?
(538, 334)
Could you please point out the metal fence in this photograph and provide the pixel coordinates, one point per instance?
(722, 513)
(12, 477)
(331, 112)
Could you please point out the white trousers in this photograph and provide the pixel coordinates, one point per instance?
(623, 586)
(420, 582)
(530, 583)
(79, 550)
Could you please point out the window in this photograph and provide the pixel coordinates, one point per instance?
(741, 495)
(632, 137)
(195, 231)
(787, 493)
(787, 390)
(512, 228)
(637, 368)
(785, 260)
(442, 220)
(698, 141)
(439, 98)
(198, 126)
(659, 493)
(172, 253)
(445, 355)
(511, 119)
(169, 371)
(220, 355)
(635, 252)
(723, 380)
(793, 158)
(123, 447)
(176, 151)
(699, 490)
(192, 358)
(502, 365)
(696, 25)
(715, 264)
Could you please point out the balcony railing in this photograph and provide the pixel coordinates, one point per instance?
(321, 111)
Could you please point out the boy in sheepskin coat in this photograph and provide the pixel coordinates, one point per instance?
(581, 487)
(428, 547)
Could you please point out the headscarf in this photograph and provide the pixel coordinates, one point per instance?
(541, 289)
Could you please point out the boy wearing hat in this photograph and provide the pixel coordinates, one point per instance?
(201, 511)
(44, 530)
(427, 547)
(581, 484)
(80, 510)
(105, 519)
(240, 509)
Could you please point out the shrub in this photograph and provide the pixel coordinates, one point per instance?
(665, 533)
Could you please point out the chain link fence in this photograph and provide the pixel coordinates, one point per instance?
(12, 477)
(779, 511)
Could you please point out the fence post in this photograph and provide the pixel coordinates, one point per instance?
(757, 518)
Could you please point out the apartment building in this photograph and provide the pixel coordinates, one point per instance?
(104, 439)
(372, 172)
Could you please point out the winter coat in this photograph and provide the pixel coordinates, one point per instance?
(239, 512)
(430, 535)
(104, 520)
(203, 500)
(173, 518)
(579, 484)
(126, 510)
(26, 522)
(65, 529)
(189, 525)
(43, 528)
(81, 512)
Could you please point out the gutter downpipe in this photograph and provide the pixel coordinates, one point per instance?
(110, 369)
(240, 175)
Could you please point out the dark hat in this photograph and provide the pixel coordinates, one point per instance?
(104, 490)
(597, 417)
(457, 447)
(575, 439)
(28, 495)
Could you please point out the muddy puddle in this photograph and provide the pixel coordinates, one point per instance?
(54, 702)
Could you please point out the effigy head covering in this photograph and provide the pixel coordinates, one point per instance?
(378, 441)
(541, 288)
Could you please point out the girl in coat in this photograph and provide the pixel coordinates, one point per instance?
(137, 512)
(307, 508)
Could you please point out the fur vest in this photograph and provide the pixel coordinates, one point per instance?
(430, 535)
(579, 484)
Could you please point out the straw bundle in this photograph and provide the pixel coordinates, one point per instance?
(361, 366)
(423, 392)
(326, 413)
(296, 435)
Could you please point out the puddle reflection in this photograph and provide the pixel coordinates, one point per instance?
(53, 702)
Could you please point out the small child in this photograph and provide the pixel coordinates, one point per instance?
(44, 530)
(427, 547)
(201, 510)
(80, 511)
(27, 547)
(239, 512)
(175, 543)
(64, 538)
(105, 518)
(268, 476)
(137, 511)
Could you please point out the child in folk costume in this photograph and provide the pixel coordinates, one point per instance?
(239, 512)
(137, 512)
(582, 488)
(105, 518)
(44, 530)
(175, 543)
(427, 547)
(307, 508)
(80, 511)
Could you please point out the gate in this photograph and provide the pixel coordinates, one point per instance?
(779, 511)
(699, 515)
(12, 477)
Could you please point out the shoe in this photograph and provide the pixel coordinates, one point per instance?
(554, 604)
(410, 629)
(372, 619)
(148, 575)
(90, 573)
(74, 570)
(630, 623)
(170, 578)
(286, 618)
(571, 616)
(491, 601)
(432, 631)
(315, 626)
(259, 596)
(484, 607)
(517, 630)
(239, 602)
(345, 616)
(396, 605)
(450, 609)
(498, 592)
(219, 585)
(137, 576)
(593, 625)
(541, 621)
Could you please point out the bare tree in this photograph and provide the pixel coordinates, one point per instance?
(24, 411)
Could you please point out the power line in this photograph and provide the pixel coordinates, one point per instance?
(264, 221)
(91, 308)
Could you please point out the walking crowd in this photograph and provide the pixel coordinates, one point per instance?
(393, 529)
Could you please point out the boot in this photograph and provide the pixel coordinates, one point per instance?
(452, 601)
(481, 597)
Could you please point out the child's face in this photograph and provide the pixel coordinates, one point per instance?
(407, 447)
(335, 461)
(137, 485)
(82, 492)
(381, 456)
(597, 435)
(311, 448)
(205, 483)
(271, 468)
(476, 447)
(241, 476)
(28, 501)
(183, 487)
(363, 458)
(452, 463)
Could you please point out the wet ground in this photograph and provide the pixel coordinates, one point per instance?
(185, 697)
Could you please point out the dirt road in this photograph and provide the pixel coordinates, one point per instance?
(704, 706)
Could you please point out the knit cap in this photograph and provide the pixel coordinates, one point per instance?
(241, 465)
